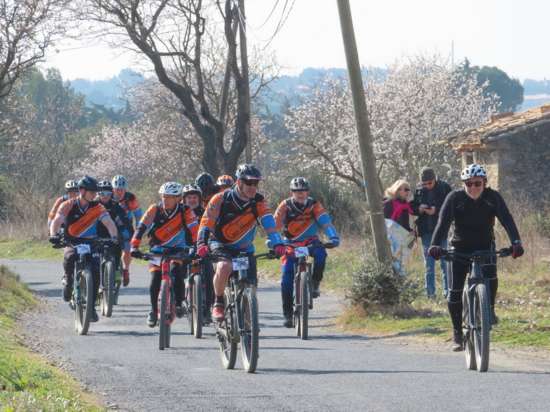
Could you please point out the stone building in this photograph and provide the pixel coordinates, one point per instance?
(515, 149)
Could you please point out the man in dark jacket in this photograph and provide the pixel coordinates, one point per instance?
(428, 198)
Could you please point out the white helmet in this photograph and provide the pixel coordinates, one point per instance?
(119, 182)
(473, 170)
(171, 188)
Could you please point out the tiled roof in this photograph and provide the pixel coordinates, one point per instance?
(500, 124)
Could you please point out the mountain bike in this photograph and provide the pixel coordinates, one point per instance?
(303, 284)
(167, 305)
(82, 300)
(240, 324)
(107, 276)
(476, 310)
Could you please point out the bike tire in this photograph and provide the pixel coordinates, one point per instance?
(85, 307)
(228, 343)
(297, 313)
(250, 337)
(483, 327)
(310, 297)
(197, 307)
(469, 349)
(304, 308)
(164, 325)
(108, 295)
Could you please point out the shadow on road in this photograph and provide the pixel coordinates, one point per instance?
(31, 284)
(336, 371)
(49, 293)
(118, 333)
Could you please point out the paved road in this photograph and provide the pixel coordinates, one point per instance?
(119, 359)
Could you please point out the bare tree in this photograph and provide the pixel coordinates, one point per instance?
(174, 35)
(27, 29)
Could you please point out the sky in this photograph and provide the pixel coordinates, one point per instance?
(509, 34)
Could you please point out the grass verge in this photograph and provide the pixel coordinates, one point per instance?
(28, 382)
(28, 249)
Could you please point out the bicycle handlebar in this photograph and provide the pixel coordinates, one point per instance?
(73, 241)
(169, 253)
(478, 254)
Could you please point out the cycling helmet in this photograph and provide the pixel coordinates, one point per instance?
(71, 186)
(248, 171)
(299, 184)
(120, 182)
(191, 189)
(225, 180)
(206, 182)
(473, 170)
(171, 188)
(105, 186)
(88, 183)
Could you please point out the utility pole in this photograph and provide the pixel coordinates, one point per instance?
(246, 85)
(374, 194)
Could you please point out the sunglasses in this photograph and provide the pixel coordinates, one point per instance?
(104, 193)
(477, 183)
(251, 182)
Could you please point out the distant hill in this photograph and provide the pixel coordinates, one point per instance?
(110, 92)
(536, 93)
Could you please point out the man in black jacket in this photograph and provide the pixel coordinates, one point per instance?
(428, 198)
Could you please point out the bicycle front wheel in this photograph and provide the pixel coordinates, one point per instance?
(164, 316)
(251, 330)
(304, 307)
(108, 295)
(196, 307)
(482, 327)
(84, 304)
(469, 349)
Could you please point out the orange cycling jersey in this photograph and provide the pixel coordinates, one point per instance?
(300, 221)
(231, 219)
(55, 206)
(82, 222)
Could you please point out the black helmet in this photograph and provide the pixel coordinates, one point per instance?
(191, 190)
(88, 183)
(299, 184)
(205, 182)
(105, 186)
(71, 186)
(248, 171)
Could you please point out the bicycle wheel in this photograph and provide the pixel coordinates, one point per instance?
(304, 307)
(227, 334)
(297, 304)
(469, 350)
(310, 300)
(85, 302)
(482, 327)
(108, 295)
(196, 307)
(164, 315)
(250, 333)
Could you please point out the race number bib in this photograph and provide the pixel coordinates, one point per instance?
(301, 252)
(83, 249)
(240, 263)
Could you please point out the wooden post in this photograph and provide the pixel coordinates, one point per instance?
(368, 161)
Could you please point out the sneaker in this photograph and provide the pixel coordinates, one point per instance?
(218, 312)
(316, 292)
(125, 277)
(67, 289)
(152, 319)
(288, 322)
(180, 311)
(458, 341)
(94, 317)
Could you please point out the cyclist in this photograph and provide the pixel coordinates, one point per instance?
(208, 187)
(169, 223)
(71, 192)
(472, 209)
(192, 197)
(300, 217)
(119, 216)
(81, 217)
(228, 227)
(224, 182)
(130, 204)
